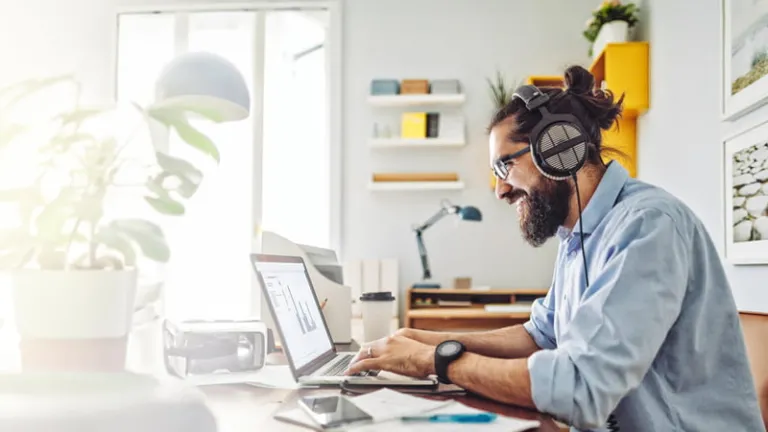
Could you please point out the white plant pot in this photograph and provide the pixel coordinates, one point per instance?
(67, 313)
(612, 32)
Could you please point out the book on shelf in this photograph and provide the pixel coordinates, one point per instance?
(415, 177)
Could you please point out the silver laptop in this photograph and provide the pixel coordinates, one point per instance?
(305, 337)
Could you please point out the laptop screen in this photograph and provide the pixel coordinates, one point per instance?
(295, 310)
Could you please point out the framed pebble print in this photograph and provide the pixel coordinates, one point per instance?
(745, 180)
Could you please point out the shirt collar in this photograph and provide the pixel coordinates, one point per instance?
(602, 201)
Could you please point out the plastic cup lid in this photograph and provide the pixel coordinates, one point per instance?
(377, 296)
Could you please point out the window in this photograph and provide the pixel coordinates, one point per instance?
(275, 169)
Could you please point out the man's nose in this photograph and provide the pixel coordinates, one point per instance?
(502, 188)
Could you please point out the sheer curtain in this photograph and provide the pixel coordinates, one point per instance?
(209, 275)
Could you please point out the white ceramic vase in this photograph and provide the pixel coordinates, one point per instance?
(612, 32)
(75, 320)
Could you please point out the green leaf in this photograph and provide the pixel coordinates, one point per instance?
(178, 166)
(187, 132)
(166, 205)
(197, 139)
(183, 107)
(147, 235)
(112, 238)
(189, 177)
(51, 221)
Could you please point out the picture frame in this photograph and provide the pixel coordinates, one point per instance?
(744, 56)
(745, 195)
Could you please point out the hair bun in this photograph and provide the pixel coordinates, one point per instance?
(579, 81)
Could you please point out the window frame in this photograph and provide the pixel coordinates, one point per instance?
(334, 78)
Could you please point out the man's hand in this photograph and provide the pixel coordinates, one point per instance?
(397, 354)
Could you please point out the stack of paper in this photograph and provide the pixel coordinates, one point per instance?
(502, 423)
(388, 406)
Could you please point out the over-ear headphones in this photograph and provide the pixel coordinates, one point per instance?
(558, 141)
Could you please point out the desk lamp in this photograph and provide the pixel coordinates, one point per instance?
(467, 213)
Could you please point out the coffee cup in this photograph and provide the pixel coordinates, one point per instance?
(377, 311)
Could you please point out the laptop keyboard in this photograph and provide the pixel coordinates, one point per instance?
(341, 366)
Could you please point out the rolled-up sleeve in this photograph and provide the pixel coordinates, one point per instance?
(618, 325)
(541, 324)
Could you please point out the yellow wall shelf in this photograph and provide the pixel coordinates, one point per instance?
(621, 68)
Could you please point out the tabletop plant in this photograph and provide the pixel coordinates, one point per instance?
(64, 220)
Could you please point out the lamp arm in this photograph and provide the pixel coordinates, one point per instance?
(427, 274)
(432, 220)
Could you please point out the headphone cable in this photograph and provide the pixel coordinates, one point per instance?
(581, 229)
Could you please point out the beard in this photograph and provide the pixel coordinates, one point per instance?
(544, 210)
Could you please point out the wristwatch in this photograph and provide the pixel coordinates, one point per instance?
(445, 354)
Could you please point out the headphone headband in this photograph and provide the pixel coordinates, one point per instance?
(531, 96)
(558, 141)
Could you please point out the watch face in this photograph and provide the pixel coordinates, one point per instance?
(449, 349)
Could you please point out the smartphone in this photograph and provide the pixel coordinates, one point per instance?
(333, 411)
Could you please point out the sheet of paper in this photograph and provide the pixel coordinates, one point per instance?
(386, 404)
(502, 423)
(270, 376)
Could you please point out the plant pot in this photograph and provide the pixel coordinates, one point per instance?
(612, 32)
(73, 320)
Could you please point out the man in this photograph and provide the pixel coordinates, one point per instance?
(645, 336)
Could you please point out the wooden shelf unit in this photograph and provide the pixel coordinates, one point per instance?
(471, 317)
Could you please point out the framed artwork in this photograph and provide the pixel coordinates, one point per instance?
(744, 58)
(745, 183)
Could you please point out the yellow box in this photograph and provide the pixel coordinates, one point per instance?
(414, 125)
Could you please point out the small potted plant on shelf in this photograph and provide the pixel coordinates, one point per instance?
(70, 250)
(610, 22)
(500, 90)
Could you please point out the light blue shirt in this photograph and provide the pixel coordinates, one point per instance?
(655, 339)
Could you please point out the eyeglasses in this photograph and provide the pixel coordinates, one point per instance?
(501, 165)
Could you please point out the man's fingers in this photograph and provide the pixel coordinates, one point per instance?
(362, 365)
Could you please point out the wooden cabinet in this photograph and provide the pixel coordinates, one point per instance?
(468, 309)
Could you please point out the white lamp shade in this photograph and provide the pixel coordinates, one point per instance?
(204, 83)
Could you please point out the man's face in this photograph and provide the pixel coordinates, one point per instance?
(542, 203)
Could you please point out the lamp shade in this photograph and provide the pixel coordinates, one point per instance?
(205, 83)
(470, 213)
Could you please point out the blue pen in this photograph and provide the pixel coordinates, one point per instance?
(454, 418)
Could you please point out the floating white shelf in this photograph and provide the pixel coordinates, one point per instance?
(416, 99)
(416, 142)
(415, 186)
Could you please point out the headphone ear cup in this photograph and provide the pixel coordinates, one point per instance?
(552, 161)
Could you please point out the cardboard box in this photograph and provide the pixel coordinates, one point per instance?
(445, 87)
(414, 86)
(385, 87)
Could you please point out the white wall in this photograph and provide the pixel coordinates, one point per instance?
(393, 38)
(679, 144)
(404, 39)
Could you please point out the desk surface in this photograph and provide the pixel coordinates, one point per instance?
(245, 408)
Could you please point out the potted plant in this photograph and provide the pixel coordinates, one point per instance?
(610, 22)
(71, 254)
(500, 89)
